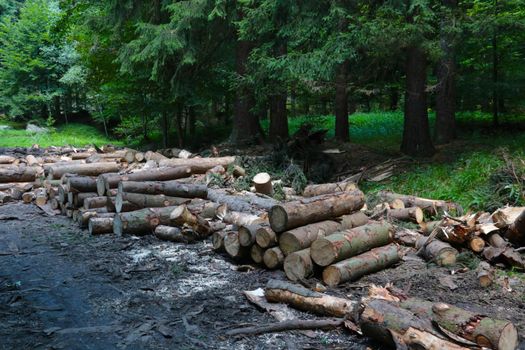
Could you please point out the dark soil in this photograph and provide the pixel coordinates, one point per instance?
(63, 289)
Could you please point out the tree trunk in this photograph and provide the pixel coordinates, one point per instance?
(342, 125)
(445, 127)
(95, 202)
(198, 165)
(165, 129)
(307, 300)
(19, 174)
(416, 132)
(82, 184)
(84, 215)
(299, 213)
(437, 251)
(168, 188)
(99, 226)
(351, 269)
(278, 129)
(298, 266)
(105, 182)
(348, 243)
(302, 237)
(495, 71)
(248, 202)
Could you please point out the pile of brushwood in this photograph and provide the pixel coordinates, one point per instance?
(326, 231)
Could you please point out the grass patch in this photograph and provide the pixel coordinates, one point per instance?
(68, 135)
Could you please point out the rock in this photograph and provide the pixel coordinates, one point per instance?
(36, 129)
(5, 127)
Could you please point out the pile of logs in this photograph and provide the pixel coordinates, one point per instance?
(327, 232)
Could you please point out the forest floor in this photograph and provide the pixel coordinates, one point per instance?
(63, 289)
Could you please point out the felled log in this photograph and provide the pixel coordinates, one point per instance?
(257, 254)
(28, 197)
(15, 193)
(505, 254)
(31, 160)
(205, 209)
(478, 328)
(298, 265)
(351, 269)
(497, 241)
(516, 231)
(100, 225)
(95, 202)
(105, 182)
(307, 300)
(141, 222)
(437, 251)
(263, 184)
(345, 244)
(238, 218)
(168, 188)
(19, 174)
(175, 234)
(198, 164)
(318, 190)
(91, 169)
(182, 216)
(303, 237)
(414, 214)
(150, 155)
(77, 199)
(429, 226)
(139, 156)
(299, 213)
(81, 184)
(40, 196)
(217, 240)
(430, 206)
(233, 247)
(249, 202)
(354, 220)
(476, 244)
(141, 200)
(485, 274)
(7, 159)
(247, 235)
(396, 327)
(266, 237)
(273, 258)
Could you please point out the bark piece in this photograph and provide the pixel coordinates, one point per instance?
(100, 225)
(307, 300)
(273, 258)
(263, 184)
(105, 182)
(266, 237)
(318, 190)
(345, 244)
(92, 169)
(303, 237)
(168, 188)
(437, 251)
(299, 213)
(298, 266)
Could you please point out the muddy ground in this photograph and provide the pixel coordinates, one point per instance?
(63, 289)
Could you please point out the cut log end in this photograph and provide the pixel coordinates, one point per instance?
(263, 183)
(117, 225)
(273, 258)
(265, 237)
(322, 252)
(298, 266)
(332, 276)
(101, 186)
(278, 218)
(508, 339)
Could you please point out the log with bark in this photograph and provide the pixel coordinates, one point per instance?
(105, 182)
(199, 165)
(351, 269)
(478, 328)
(141, 200)
(175, 234)
(354, 220)
(77, 199)
(239, 218)
(318, 190)
(345, 244)
(437, 251)
(299, 213)
(81, 184)
(266, 237)
(19, 174)
(92, 169)
(168, 188)
(142, 222)
(100, 225)
(430, 206)
(414, 214)
(182, 216)
(302, 237)
(263, 184)
(248, 202)
(7, 159)
(247, 234)
(298, 266)
(273, 258)
(96, 202)
(307, 300)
